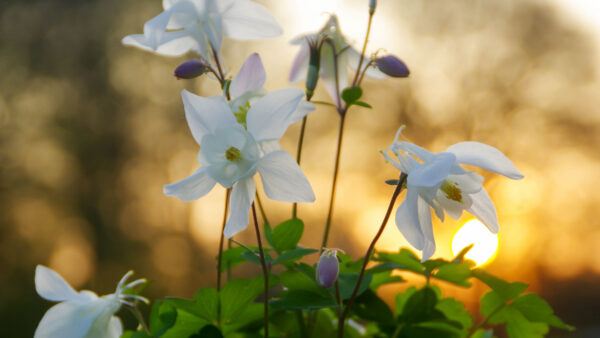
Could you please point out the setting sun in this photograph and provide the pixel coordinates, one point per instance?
(485, 243)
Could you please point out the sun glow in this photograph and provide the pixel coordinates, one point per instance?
(485, 243)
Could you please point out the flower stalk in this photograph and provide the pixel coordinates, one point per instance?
(222, 239)
(397, 191)
(263, 263)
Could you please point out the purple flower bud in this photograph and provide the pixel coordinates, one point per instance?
(392, 66)
(190, 69)
(328, 268)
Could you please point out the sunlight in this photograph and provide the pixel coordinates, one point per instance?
(474, 232)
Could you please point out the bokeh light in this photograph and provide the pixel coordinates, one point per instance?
(485, 243)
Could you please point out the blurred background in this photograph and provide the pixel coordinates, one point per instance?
(91, 130)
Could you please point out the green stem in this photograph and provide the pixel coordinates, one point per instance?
(220, 257)
(395, 195)
(334, 183)
(301, 325)
(265, 270)
(485, 320)
(299, 157)
(362, 55)
(140, 318)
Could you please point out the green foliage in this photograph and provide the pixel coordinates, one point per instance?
(351, 94)
(162, 318)
(293, 255)
(286, 235)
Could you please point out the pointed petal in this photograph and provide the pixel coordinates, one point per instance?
(485, 157)
(431, 174)
(246, 20)
(251, 76)
(327, 73)
(191, 188)
(304, 107)
(242, 197)
(51, 286)
(115, 328)
(300, 64)
(282, 178)
(426, 228)
(270, 116)
(407, 219)
(483, 208)
(205, 115)
(66, 320)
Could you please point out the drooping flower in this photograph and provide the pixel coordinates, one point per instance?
(235, 145)
(348, 59)
(80, 314)
(195, 25)
(438, 181)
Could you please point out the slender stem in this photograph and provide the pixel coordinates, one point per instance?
(397, 191)
(220, 257)
(221, 75)
(138, 315)
(362, 55)
(338, 298)
(263, 214)
(299, 157)
(301, 325)
(334, 183)
(228, 268)
(264, 268)
(362, 75)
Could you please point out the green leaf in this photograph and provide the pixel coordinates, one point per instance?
(304, 300)
(233, 257)
(135, 334)
(536, 309)
(382, 278)
(401, 299)
(186, 325)
(517, 326)
(293, 254)
(254, 256)
(481, 333)
(405, 260)
(490, 303)
(351, 94)
(204, 305)
(162, 317)
(370, 307)
(461, 255)
(347, 283)
(268, 232)
(208, 331)
(348, 265)
(420, 307)
(456, 273)
(298, 280)
(286, 235)
(252, 314)
(506, 290)
(432, 329)
(362, 104)
(455, 311)
(236, 294)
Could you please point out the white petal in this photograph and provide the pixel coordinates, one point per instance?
(300, 64)
(205, 115)
(251, 77)
(246, 20)
(191, 188)
(270, 116)
(66, 319)
(51, 286)
(483, 208)
(407, 219)
(426, 228)
(304, 107)
(242, 197)
(468, 183)
(431, 174)
(327, 73)
(115, 328)
(485, 157)
(282, 178)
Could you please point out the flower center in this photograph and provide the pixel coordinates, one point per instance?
(240, 115)
(452, 191)
(233, 154)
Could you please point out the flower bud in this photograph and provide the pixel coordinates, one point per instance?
(372, 5)
(313, 67)
(328, 268)
(392, 66)
(190, 69)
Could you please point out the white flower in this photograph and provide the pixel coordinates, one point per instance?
(348, 59)
(233, 148)
(80, 314)
(439, 182)
(194, 25)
